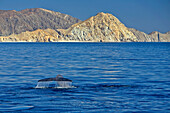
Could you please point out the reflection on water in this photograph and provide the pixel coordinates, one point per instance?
(109, 77)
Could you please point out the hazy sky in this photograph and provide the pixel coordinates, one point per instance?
(144, 15)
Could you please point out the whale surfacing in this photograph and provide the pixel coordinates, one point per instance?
(57, 82)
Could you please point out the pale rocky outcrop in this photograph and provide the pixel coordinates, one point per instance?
(141, 36)
(152, 37)
(103, 27)
(162, 37)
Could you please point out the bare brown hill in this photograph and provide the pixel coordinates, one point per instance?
(15, 22)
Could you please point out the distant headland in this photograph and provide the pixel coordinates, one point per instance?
(41, 25)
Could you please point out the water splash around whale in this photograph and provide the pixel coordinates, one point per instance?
(57, 82)
(54, 84)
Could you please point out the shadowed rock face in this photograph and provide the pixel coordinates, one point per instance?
(57, 78)
(31, 19)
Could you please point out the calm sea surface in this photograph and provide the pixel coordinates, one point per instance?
(110, 77)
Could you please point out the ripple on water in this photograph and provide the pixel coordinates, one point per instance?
(15, 108)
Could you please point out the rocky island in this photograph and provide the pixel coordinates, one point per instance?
(41, 25)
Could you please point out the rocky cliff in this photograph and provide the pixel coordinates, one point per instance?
(152, 37)
(162, 37)
(103, 27)
(15, 22)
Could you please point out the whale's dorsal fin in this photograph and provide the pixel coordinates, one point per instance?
(59, 76)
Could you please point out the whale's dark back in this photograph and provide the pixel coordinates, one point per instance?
(57, 78)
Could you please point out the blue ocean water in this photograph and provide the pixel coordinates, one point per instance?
(109, 77)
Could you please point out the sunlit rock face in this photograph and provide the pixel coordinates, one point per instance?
(103, 27)
(47, 35)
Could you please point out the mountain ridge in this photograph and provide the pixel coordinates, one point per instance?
(15, 22)
(103, 27)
